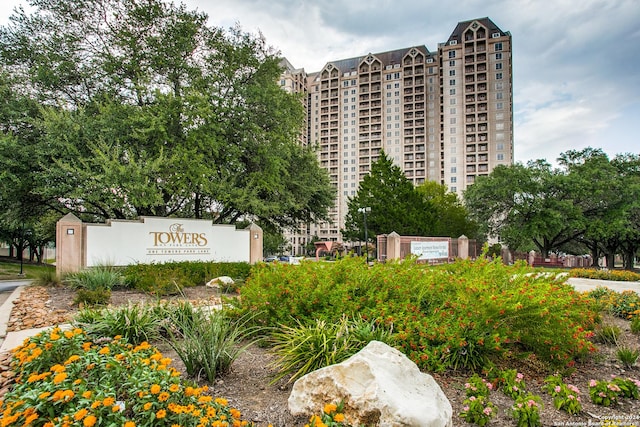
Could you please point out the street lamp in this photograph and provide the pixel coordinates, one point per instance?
(366, 239)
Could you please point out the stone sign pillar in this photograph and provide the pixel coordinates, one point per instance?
(255, 247)
(463, 247)
(69, 240)
(393, 245)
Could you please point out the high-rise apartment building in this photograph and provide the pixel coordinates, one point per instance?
(444, 116)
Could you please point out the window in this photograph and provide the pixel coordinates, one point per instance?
(452, 121)
(499, 95)
(500, 126)
(499, 147)
(499, 106)
(454, 169)
(453, 180)
(499, 86)
(498, 56)
(452, 72)
(498, 76)
(499, 116)
(389, 87)
(346, 92)
(454, 189)
(452, 53)
(452, 63)
(452, 91)
(452, 82)
(497, 47)
(500, 156)
(453, 150)
(452, 101)
(452, 130)
(452, 110)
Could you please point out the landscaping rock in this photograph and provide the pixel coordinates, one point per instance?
(222, 280)
(378, 386)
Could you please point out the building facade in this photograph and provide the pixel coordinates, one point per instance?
(444, 116)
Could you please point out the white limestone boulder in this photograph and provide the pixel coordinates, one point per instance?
(222, 280)
(379, 386)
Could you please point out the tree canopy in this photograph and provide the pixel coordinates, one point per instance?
(396, 205)
(589, 199)
(125, 108)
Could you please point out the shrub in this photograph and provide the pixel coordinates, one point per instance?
(628, 387)
(635, 325)
(526, 410)
(603, 393)
(92, 297)
(618, 275)
(206, 340)
(302, 349)
(461, 315)
(136, 323)
(478, 410)
(68, 379)
(512, 383)
(566, 397)
(171, 278)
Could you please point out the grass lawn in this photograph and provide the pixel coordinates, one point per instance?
(10, 269)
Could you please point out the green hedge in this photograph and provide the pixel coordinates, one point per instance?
(457, 316)
(171, 278)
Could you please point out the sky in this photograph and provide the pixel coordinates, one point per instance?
(576, 64)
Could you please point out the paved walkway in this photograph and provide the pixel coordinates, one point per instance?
(13, 339)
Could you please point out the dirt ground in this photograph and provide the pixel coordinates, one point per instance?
(248, 386)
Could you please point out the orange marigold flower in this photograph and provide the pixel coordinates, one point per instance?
(221, 401)
(72, 359)
(173, 388)
(59, 378)
(80, 414)
(86, 346)
(235, 413)
(108, 401)
(163, 397)
(89, 421)
(330, 408)
(44, 395)
(57, 368)
(147, 406)
(68, 334)
(155, 389)
(86, 394)
(161, 414)
(129, 424)
(338, 418)
(104, 350)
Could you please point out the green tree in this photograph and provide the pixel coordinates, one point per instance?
(451, 216)
(145, 110)
(521, 204)
(395, 205)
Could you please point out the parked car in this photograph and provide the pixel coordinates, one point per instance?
(271, 258)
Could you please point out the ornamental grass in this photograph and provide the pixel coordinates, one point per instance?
(63, 378)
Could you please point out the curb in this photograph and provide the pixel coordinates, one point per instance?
(5, 310)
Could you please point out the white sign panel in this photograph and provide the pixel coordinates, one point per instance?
(430, 250)
(158, 240)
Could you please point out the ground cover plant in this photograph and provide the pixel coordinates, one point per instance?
(459, 316)
(592, 273)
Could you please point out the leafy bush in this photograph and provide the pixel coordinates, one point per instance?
(136, 323)
(457, 316)
(566, 397)
(171, 278)
(618, 275)
(526, 410)
(302, 349)
(92, 297)
(66, 378)
(206, 340)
